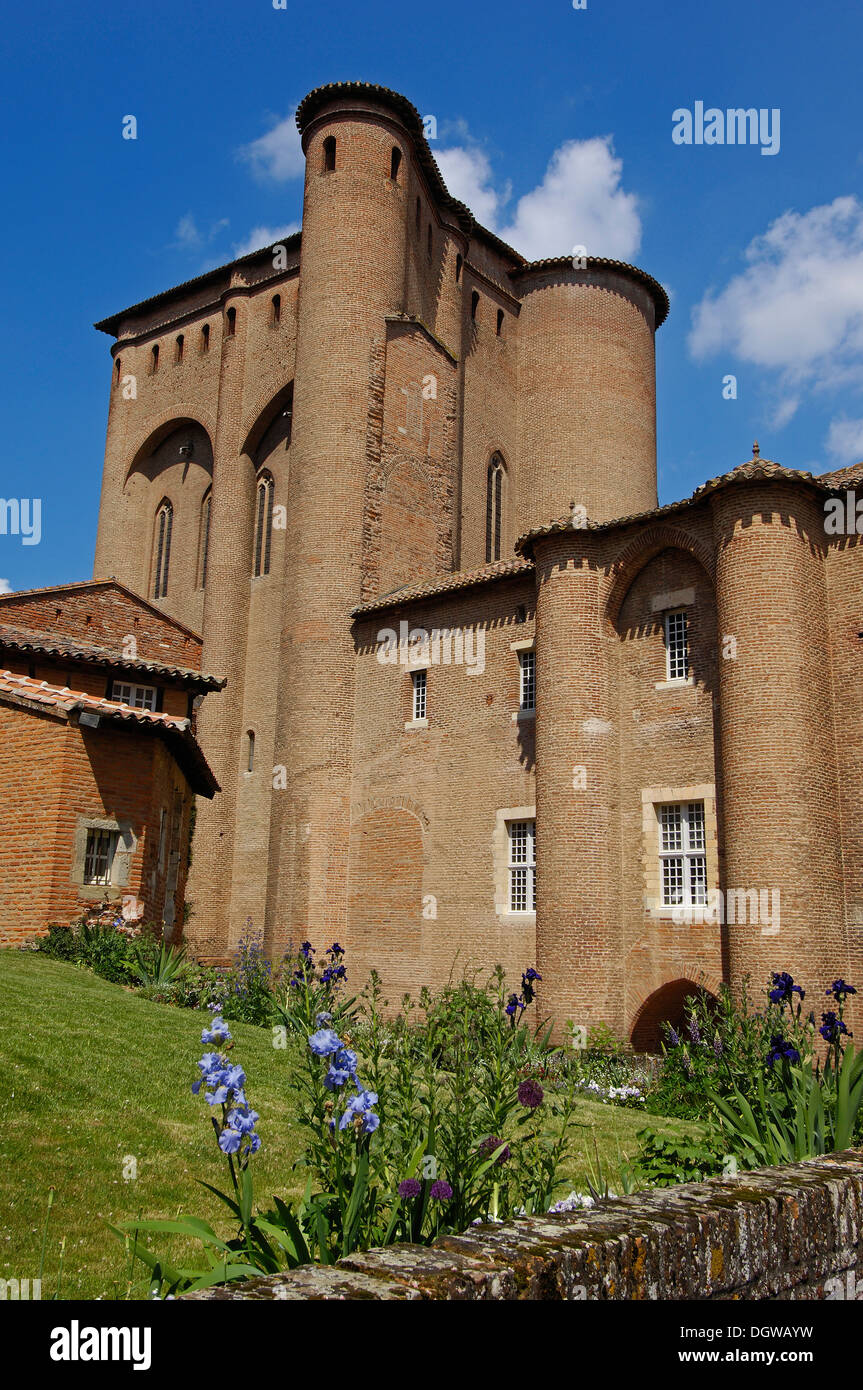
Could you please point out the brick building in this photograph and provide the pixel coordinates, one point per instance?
(99, 764)
(602, 722)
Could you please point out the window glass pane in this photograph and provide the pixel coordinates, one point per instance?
(672, 828)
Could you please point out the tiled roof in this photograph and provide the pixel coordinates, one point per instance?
(842, 477)
(753, 470)
(177, 732)
(445, 584)
(56, 645)
(101, 583)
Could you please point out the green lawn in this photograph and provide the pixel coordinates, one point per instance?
(94, 1075)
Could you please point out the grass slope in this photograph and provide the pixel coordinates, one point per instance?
(94, 1076)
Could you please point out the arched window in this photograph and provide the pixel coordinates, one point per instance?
(277, 308)
(329, 153)
(395, 161)
(231, 322)
(458, 265)
(204, 541)
(494, 507)
(205, 337)
(178, 348)
(162, 557)
(154, 359)
(263, 523)
(250, 751)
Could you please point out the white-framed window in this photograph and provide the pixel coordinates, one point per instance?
(677, 645)
(99, 855)
(420, 695)
(682, 854)
(527, 689)
(522, 865)
(138, 696)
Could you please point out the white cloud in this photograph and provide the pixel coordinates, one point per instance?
(845, 441)
(796, 311)
(578, 203)
(264, 236)
(187, 234)
(467, 174)
(278, 154)
(5, 587)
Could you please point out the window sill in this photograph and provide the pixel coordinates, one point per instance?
(416, 724)
(678, 683)
(516, 919)
(523, 715)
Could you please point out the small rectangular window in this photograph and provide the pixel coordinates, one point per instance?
(527, 698)
(138, 696)
(420, 701)
(682, 854)
(522, 865)
(677, 646)
(99, 855)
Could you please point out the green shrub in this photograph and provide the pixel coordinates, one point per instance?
(61, 943)
(663, 1161)
(105, 951)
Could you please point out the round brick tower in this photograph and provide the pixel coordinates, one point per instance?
(780, 795)
(587, 389)
(352, 273)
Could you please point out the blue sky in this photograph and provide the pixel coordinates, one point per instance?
(554, 123)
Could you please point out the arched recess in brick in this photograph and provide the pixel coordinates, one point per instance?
(386, 877)
(640, 551)
(408, 528)
(668, 1004)
(175, 461)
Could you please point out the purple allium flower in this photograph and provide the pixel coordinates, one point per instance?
(488, 1146)
(839, 990)
(530, 1094)
(440, 1191)
(410, 1188)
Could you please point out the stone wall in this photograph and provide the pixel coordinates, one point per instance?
(775, 1233)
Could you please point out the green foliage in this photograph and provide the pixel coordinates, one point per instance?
(105, 950)
(664, 1161)
(61, 943)
(154, 964)
(247, 988)
(306, 988)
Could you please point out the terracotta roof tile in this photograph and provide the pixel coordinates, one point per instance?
(56, 645)
(445, 584)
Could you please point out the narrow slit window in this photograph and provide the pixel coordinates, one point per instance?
(205, 537)
(499, 322)
(474, 305)
(164, 527)
(420, 695)
(276, 303)
(250, 751)
(205, 337)
(459, 262)
(395, 162)
(154, 359)
(231, 322)
(117, 366)
(527, 693)
(494, 509)
(263, 525)
(329, 154)
(178, 348)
